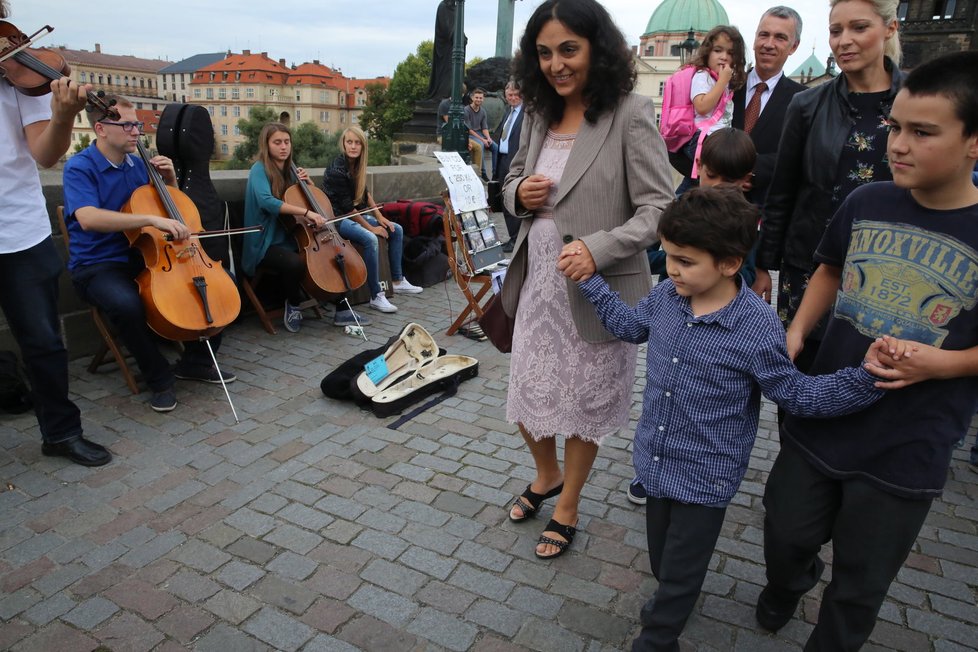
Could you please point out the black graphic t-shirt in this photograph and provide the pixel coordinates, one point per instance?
(910, 272)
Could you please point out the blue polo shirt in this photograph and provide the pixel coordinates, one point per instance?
(90, 179)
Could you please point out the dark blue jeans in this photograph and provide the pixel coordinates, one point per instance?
(352, 231)
(112, 289)
(29, 298)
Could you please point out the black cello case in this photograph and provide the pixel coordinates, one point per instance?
(185, 135)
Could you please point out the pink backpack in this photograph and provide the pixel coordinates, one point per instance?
(676, 124)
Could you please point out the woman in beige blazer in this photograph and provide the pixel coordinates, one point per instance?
(591, 177)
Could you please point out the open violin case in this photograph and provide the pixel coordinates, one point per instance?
(413, 368)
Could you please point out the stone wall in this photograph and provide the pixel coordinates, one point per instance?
(385, 184)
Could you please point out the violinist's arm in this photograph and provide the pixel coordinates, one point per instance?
(101, 220)
(48, 140)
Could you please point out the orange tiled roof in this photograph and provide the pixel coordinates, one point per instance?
(253, 68)
(120, 61)
(150, 118)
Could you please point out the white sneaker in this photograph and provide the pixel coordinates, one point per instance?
(381, 303)
(404, 287)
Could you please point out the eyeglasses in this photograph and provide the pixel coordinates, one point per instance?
(126, 126)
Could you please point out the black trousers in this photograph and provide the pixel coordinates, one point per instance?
(681, 541)
(872, 533)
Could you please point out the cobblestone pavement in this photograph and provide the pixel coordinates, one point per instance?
(311, 525)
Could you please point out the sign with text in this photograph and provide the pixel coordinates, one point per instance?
(464, 187)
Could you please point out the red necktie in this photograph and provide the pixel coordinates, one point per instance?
(753, 110)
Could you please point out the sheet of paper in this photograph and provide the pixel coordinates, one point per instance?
(464, 187)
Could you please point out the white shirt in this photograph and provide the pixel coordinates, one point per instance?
(702, 83)
(24, 220)
(504, 143)
(753, 80)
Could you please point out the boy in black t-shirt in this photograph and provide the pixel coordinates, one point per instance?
(898, 259)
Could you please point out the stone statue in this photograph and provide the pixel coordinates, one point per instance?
(440, 84)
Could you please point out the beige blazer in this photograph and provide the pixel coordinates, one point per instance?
(615, 185)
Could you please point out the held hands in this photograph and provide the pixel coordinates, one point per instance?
(314, 219)
(899, 363)
(303, 175)
(68, 98)
(575, 261)
(532, 191)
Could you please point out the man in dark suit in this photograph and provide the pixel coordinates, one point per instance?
(507, 134)
(759, 106)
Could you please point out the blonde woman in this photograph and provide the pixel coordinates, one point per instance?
(345, 183)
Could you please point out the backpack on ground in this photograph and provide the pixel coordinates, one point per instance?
(415, 217)
(677, 122)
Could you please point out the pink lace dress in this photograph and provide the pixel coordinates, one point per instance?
(559, 383)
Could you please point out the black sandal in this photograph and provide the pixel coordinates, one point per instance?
(566, 531)
(533, 501)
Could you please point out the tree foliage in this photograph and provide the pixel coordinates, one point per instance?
(82, 143)
(388, 109)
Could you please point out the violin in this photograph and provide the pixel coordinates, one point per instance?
(333, 265)
(31, 71)
(186, 295)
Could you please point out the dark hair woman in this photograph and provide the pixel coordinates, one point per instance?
(589, 181)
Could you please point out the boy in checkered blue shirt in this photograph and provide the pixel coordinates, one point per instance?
(713, 348)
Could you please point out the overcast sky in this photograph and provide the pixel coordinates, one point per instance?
(363, 38)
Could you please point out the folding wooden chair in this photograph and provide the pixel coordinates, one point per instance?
(108, 345)
(267, 314)
(460, 262)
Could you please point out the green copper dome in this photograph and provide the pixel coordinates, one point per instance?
(680, 15)
(812, 64)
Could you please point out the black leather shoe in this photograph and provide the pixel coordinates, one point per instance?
(508, 246)
(772, 614)
(79, 450)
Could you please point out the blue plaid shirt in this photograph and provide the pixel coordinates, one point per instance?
(704, 379)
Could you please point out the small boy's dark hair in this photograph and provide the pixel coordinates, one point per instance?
(729, 153)
(717, 220)
(955, 76)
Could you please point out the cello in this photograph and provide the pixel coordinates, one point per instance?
(333, 265)
(186, 295)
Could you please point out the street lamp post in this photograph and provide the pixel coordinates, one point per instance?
(456, 137)
(687, 48)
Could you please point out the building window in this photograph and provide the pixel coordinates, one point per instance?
(298, 96)
(355, 119)
(235, 93)
(210, 110)
(81, 77)
(164, 84)
(196, 93)
(662, 88)
(942, 9)
(212, 76)
(298, 115)
(100, 78)
(236, 111)
(118, 80)
(322, 97)
(250, 93)
(326, 113)
(224, 130)
(209, 93)
(322, 116)
(222, 93)
(142, 83)
(224, 148)
(182, 77)
(342, 117)
(224, 111)
(902, 11)
(237, 130)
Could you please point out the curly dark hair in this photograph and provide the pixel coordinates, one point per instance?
(611, 74)
(702, 56)
(717, 220)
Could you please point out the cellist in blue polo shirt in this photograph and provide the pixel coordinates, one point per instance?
(97, 183)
